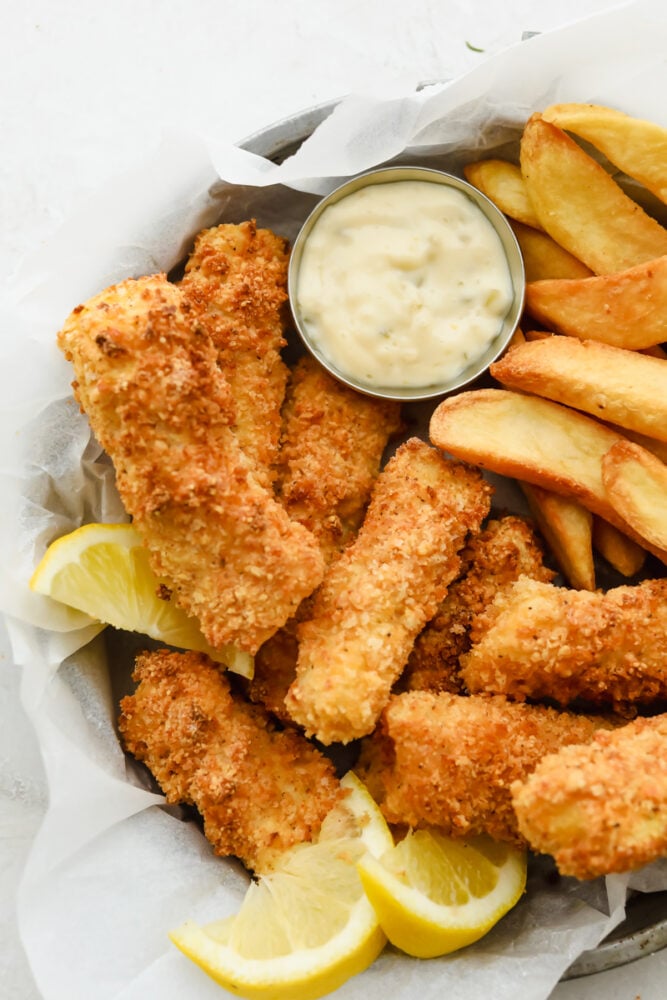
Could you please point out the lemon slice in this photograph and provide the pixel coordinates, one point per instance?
(103, 570)
(304, 929)
(434, 895)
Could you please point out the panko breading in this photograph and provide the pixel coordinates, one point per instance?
(379, 594)
(600, 808)
(503, 551)
(446, 760)
(259, 791)
(275, 669)
(236, 281)
(147, 377)
(540, 641)
(332, 444)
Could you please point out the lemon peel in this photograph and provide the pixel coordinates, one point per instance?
(307, 927)
(434, 895)
(103, 571)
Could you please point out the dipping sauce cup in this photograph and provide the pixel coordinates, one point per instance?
(406, 283)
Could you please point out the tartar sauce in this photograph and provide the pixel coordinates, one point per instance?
(403, 284)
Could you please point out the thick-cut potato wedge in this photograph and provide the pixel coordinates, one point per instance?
(567, 528)
(657, 448)
(529, 438)
(543, 258)
(627, 309)
(626, 556)
(503, 184)
(636, 483)
(581, 207)
(623, 387)
(535, 441)
(637, 147)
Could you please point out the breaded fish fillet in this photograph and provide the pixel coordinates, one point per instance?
(494, 558)
(448, 761)
(236, 281)
(258, 790)
(332, 443)
(600, 808)
(147, 377)
(540, 641)
(379, 594)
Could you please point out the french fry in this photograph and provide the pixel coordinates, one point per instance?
(626, 556)
(637, 147)
(657, 448)
(503, 184)
(581, 207)
(533, 440)
(543, 258)
(567, 528)
(636, 483)
(627, 309)
(623, 387)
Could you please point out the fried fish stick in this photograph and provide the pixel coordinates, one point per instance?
(147, 377)
(600, 808)
(448, 761)
(540, 641)
(332, 444)
(493, 559)
(378, 596)
(236, 281)
(259, 791)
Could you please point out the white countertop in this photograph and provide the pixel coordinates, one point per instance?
(87, 89)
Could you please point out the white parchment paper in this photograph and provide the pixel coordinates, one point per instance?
(111, 869)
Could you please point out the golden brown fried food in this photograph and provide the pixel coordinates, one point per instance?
(275, 668)
(493, 559)
(540, 641)
(147, 377)
(378, 596)
(258, 790)
(332, 444)
(236, 281)
(600, 808)
(448, 761)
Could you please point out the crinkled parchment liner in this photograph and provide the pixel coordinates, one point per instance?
(112, 869)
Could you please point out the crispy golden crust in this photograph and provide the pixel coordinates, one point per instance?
(448, 761)
(147, 377)
(600, 808)
(492, 559)
(275, 670)
(540, 641)
(236, 282)
(378, 596)
(259, 791)
(332, 444)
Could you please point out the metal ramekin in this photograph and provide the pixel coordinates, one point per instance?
(512, 253)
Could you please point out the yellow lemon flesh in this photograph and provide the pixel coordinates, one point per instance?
(306, 927)
(103, 570)
(433, 895)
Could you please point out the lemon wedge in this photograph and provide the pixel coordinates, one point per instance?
(306, 927)
(433, 895)
(103, 570)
